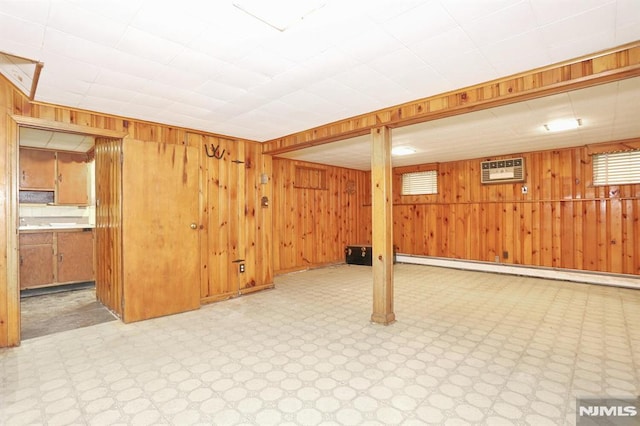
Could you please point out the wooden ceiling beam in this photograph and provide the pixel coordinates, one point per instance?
(592, 70)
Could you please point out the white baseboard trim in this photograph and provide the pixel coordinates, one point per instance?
(628, 281)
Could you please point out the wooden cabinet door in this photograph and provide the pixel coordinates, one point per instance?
(75, 256)
(36, 259)
(37, 169)
(73, 174)
(160, 229)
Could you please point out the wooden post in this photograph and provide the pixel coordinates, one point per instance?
(382, 218)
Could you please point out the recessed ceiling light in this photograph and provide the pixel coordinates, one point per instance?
(560, 125)
(402, 150)
(279, 14)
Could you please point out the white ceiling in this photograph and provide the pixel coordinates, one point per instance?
(207, 65)
(58, 141)
(608, 112)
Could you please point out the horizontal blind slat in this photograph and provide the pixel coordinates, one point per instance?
(418, 183)
(616, 168)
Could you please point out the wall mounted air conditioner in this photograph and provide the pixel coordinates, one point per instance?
(502, 171)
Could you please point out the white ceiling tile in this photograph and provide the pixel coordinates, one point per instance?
(31, 36)
(438, 48)
(119, 10)
(465, 11)
(514, 20)
(145, 45)
(517, 54)
(370, 45)
(425, 21)
(184, 27)
(85, 24)
(598, 22)
(548, 11)
(220, 91)
(455, 68)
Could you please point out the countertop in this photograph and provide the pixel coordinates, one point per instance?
(55, 227)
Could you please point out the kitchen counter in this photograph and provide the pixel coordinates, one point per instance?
(55, 227)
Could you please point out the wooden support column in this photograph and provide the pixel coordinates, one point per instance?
(382, 226)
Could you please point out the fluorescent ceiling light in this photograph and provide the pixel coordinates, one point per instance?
(279, 14)
(402, 150)
(560, 125)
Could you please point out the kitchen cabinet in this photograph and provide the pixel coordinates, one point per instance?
(36, 259)
(72, 180)
(75, 256)
(64, 173)
(55, 257)
(37, 169)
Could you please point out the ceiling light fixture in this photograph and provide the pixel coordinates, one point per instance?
(279, 14)
(402, 150)
(561, 125)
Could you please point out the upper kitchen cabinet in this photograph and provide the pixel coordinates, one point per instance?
(37, 170)
(72, 179)
(65, 175)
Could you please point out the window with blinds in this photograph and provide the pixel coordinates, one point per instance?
(419, 183)
(616, 168)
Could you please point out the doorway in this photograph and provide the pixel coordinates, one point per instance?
(56, 232)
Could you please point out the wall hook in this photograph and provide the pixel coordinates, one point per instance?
(214, 151)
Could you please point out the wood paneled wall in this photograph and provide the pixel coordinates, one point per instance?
(247, 230)
(109, 218)
(316, 217)
(237, 229)
(563, 221)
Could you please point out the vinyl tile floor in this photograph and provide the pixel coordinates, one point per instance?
(467, 348)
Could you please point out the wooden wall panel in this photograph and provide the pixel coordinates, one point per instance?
(214, 214)
(312, 226)
(563, 221)
(109, 218)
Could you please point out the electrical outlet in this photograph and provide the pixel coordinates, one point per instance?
(505, 254)
(242, 268)
(525, 189)
(497, 259)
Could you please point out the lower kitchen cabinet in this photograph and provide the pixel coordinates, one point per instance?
(75, 256)
(37, 267)
(55, 257)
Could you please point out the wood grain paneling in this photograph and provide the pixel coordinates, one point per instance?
(252, 224)
(108, 245)
(312, 226)
(563, 221)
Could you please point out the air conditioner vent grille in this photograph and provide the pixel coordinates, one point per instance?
(502, 171)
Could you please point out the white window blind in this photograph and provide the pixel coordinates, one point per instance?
(418, 183)
(616, 168)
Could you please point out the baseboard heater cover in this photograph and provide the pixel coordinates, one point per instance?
(587, 277)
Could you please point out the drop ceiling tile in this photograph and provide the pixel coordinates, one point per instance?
(184, 26)
(198, 63)
(370, 45)
(346, 97)
(31, 35)
(85, 24)
(514, 20)
(145, 45)
(220, 91)
(581, 28)
(119, 10)
(396, 63)
(60, 46)
(111, 92)
(456, 69)
(264, 62)
(425, 21)
(546, 11)
(464, 11)
(448, 44)
(517, 54)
